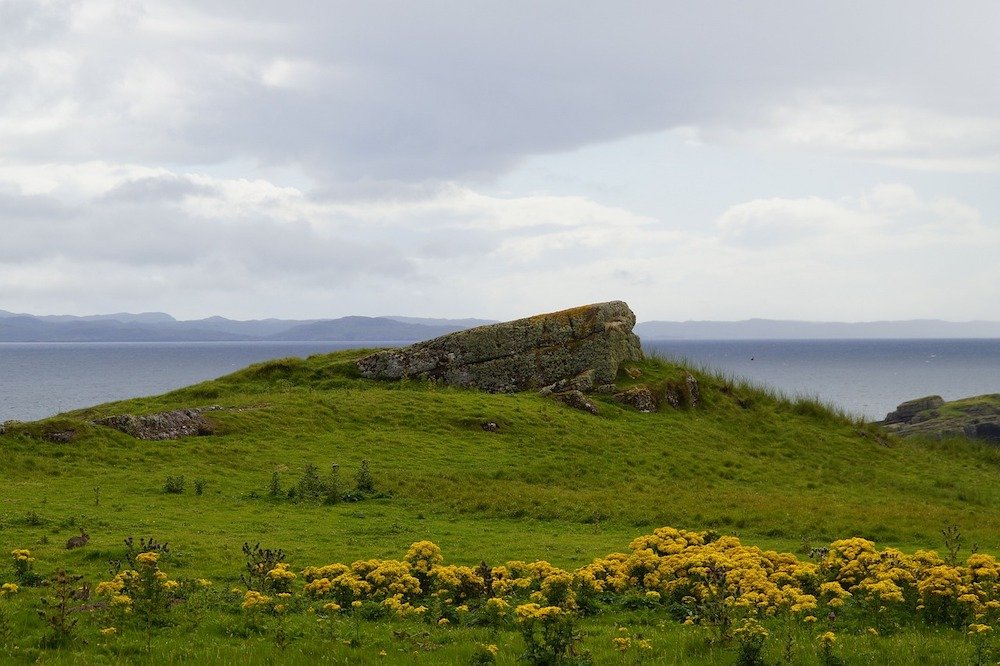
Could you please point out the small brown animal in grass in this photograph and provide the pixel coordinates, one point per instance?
(78, 541)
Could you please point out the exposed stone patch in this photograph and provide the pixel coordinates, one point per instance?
(682, 393)
(163, 425)
(524, 354)
(988, 431)
(641, 397)
(576, 400)
(583, 382)
(491, 426)
(693, 392)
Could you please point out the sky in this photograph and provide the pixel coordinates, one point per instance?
(800, 159)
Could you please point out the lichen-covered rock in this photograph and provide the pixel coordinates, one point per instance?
(518, 355)
(641, 397)
(583, 382)
(682, 393)
(692, 390)
(164, 425)
(576, 400)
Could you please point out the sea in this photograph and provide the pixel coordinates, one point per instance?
(866, 378)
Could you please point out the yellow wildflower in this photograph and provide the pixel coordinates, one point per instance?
(148, 559)
(253, 599)
(622, 643)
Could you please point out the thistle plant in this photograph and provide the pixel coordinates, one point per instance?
(259, 563)
(274, 487)
(364, 481)
(57, 610)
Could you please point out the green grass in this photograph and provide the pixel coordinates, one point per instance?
(553, 483)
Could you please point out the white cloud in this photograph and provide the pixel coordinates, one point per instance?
(304, 158)
(854, 127)
(203, 235)
(875, 256)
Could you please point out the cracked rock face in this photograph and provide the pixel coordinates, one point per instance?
(519, 355)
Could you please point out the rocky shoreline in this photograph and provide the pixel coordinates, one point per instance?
(976, 418)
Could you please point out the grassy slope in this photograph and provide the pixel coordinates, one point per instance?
(554, 483)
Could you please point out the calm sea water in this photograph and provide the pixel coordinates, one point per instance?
(41, 379)
(865, 377)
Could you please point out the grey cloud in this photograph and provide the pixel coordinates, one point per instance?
(139, 225)
(27, 22)
(15, 206)
(156, 189)
(415, 91)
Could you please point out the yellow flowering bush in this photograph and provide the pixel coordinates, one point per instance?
(280, 578)
(145, 592)
(255, 601)
(24, 572)
(719, 582)
(457, 582)
(423, 556)
(548, 632)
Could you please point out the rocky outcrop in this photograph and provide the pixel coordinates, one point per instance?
(591, 341)
(164, 425)
(911, 409)
(975, 418)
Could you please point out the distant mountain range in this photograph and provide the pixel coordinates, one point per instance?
(775, 329)
(161, 327)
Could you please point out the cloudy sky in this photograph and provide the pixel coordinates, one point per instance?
(301, 159)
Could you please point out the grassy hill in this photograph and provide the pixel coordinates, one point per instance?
(552, 483)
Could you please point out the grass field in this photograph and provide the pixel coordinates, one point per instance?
(551, 484)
